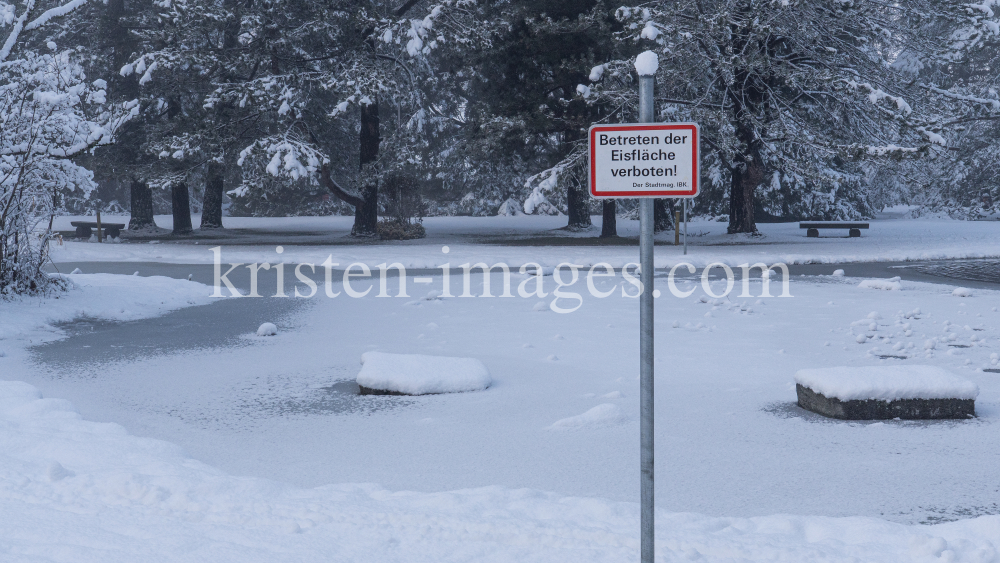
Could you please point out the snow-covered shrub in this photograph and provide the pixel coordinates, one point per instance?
(42, 100)
(49, 114)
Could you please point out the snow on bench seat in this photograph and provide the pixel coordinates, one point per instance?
(417, 374)
(883, 392)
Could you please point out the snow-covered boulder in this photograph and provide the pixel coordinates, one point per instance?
(267, 329)
(884, 392)
(418, 374)
(887, 383)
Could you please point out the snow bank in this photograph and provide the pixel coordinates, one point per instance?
(886, 383)
(100, 296)
(601, 415)
(417, 374)
(87, 492)
(891, 284)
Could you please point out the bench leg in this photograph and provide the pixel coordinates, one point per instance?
(855, 233)
(84, 232)
(112, 232)
(812, 233)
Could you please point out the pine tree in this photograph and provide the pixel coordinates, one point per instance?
(794, 96)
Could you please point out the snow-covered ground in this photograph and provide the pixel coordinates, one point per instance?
(523, 239)
(540, 466)
(80, 491)
(103, 296)
(560, 417)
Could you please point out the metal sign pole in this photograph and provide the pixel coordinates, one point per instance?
(685, 227)
(646, 345)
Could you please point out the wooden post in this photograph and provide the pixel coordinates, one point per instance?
(100, 236)
(677, 228)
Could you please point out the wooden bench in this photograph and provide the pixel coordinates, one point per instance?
(85, 228)
(854, 228)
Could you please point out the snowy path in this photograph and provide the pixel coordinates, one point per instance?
(519, 240)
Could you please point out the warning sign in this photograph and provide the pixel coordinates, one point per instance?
(644, 160)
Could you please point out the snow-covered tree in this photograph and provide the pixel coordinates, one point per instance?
(49, 113)
(793, 96)
(304, 74)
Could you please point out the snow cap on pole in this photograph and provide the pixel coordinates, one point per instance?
(646, 63)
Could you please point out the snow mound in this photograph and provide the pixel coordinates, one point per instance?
(267, 329)
(601, 415)
(891, 284)
(417, 374)
(510, 208)
(646, 63)
(838, 273)
(886, 383)
(962, 292)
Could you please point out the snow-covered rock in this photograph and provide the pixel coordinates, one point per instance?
(418, 374)
(891, 284)
(962, 292)
(267, 329)
(886, 383)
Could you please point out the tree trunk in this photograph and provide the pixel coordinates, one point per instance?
(366, 214)
(609, 220)
(662, 220)
(142, 206)
(744, 183)
(181, 203)
(211, 213)
(578, 206)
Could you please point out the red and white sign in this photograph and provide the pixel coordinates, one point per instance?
(644, 160)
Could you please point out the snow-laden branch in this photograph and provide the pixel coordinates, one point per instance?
(57, 12)
(992, 102)
(15, 32)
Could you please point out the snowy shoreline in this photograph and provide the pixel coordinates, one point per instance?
(93, 493)
(509, 240)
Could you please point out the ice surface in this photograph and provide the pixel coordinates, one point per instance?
(886, 383)
(418, 374)
(899, 471)
(646, 63)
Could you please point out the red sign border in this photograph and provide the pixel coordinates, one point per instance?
(692, 127)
